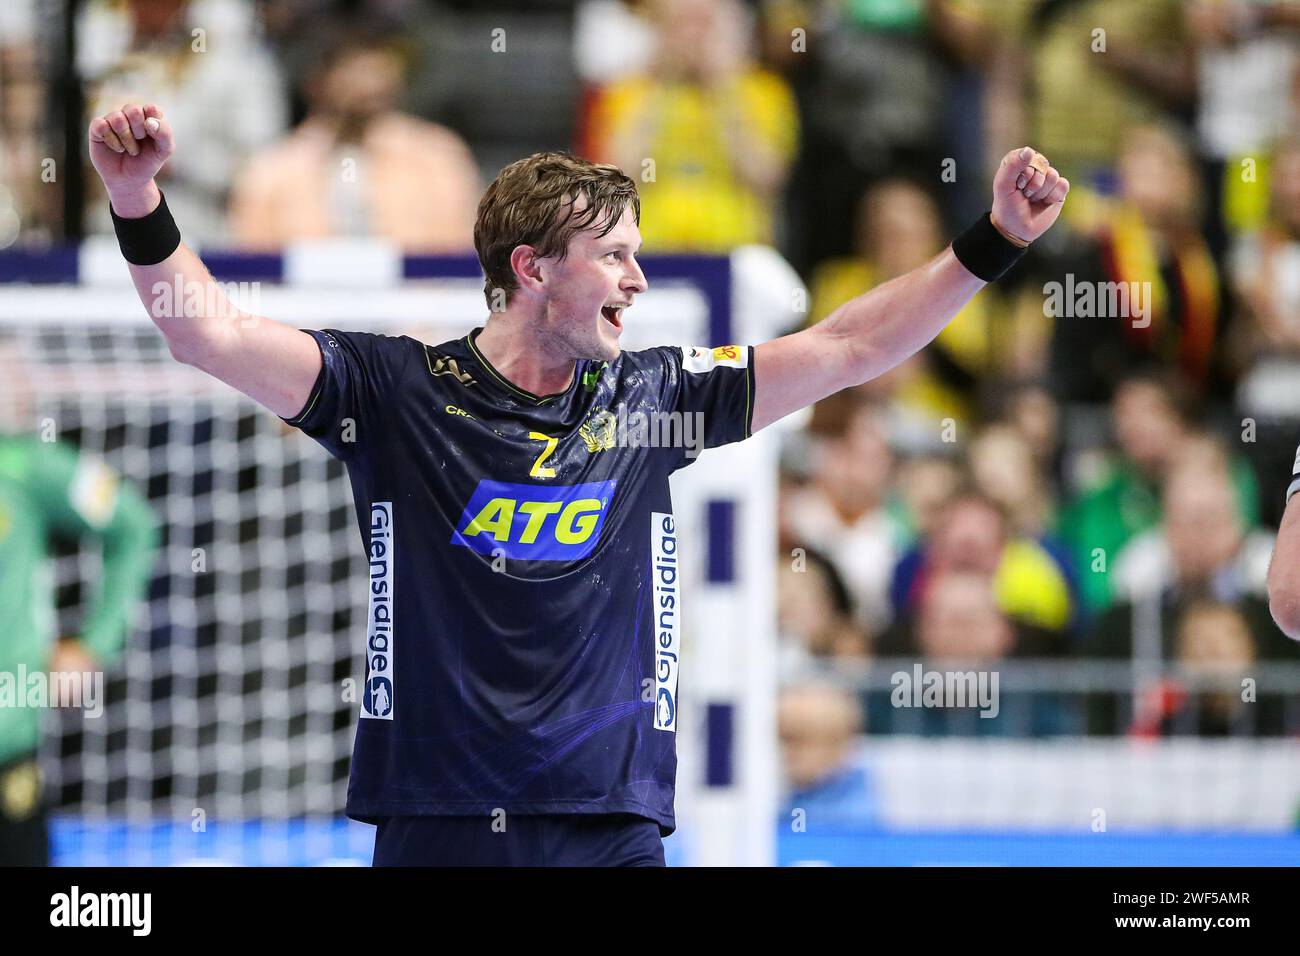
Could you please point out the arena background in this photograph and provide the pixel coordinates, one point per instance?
(1070, 497)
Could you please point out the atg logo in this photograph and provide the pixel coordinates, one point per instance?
(534, 522)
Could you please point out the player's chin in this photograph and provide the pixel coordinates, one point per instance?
(607, 345)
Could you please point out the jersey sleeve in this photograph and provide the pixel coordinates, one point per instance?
(348, 407)
(1295, 477)
(715, 387)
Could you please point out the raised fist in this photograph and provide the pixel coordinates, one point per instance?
(129, 146)
(1027, 195)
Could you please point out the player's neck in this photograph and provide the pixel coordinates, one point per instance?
(521, 355)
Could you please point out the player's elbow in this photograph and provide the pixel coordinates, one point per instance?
(180, 348)
(189, 350)
(196, 347)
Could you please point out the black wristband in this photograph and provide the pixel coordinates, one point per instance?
(985, 252)
(150, 239)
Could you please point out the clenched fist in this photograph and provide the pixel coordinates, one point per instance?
(127, 148)
(1027, 195)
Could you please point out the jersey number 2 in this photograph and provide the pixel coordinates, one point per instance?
(538, 471)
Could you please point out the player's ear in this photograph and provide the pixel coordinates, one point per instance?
(527, 268)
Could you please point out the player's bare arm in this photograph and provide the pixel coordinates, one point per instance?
(1284, 572)
(867, 336)
(272, 363)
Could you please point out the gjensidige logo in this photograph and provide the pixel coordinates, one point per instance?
(667, 617)
(377, 701)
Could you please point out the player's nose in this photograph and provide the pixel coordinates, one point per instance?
(634, 279)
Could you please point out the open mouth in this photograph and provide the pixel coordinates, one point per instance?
(613, 314)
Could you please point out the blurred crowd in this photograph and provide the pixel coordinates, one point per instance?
(1086, 466)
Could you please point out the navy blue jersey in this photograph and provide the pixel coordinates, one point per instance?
(1295, 477)
(524, 618)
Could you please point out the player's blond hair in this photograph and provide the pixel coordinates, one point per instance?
(534, 202)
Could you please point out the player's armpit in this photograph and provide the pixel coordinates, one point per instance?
(274, 364)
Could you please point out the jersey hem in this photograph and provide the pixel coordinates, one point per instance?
(368, 811)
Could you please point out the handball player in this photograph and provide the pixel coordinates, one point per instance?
(1284, 568)
(519, 702)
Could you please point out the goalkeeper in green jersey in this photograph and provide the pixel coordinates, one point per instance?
(47, 491)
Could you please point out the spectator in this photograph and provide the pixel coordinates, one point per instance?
(203, 64)
(1202, 544)
(845, 511)
(611, 38)
(959, 623)
(974, 536)
(1088, 64)
(966, 37)
(871, 92)
(959, 619)
(358, 167)
(1029, 407)
(1149, 244)
(926, 483)
(1216, 642)
(961, 615)
(1265, 272)
(1152, 425)
(1003, 467)
(814, 613)
(898, 229)
(295, 30)
(1215, 647)
(1246, 63)
(824, 784)
(27, 206)
(709, 134)
(1201, 552)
